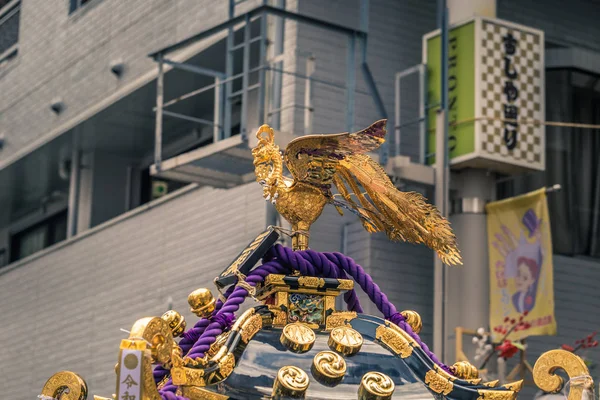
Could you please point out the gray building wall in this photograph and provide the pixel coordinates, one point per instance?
(63, 308)
(68, 56)
(572, 23)
(395, 30)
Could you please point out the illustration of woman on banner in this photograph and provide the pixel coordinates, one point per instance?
(526, 284)
(521, 276)
(523, 262)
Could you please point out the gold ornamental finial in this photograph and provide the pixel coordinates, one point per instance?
(464, 370)
(176, 322)
(202, 302)
(318, 162)
(413, 319)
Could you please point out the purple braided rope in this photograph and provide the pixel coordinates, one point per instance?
(280, 259)
(312, 263)
(190, 337)
(222, 319)
(365, 281)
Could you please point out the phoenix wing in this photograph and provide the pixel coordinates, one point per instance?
(314, 159)
(401, 215)
(340, 159)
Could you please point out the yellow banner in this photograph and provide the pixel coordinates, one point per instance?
(521, 281)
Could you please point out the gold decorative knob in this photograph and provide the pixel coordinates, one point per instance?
(291, 382)
(375, 386)
(297, 337)
(202, 302)
(413, 319)
(328, 368)
(464, 370)
(345, 340)
(176, 322)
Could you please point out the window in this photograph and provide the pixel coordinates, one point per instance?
(10, 13)
(39, 236)
(77, 4)
(572, 160)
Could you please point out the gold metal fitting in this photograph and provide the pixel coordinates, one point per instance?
(202, 302)
(291, 382)
(328, 368)
(464, 370)
(297, 337)
(176, 322)
(67, 385)
(376, 386)
(413, 319)
(345, 340)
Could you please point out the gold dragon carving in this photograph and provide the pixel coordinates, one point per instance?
(318, 162)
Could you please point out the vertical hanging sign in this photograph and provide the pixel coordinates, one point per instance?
(496, 94)
(521, 278)
(130, 375)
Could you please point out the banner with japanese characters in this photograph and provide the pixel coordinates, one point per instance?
(496, 104)
(129, 382)
(520, 254)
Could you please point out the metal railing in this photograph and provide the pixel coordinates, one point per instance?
(271, 65)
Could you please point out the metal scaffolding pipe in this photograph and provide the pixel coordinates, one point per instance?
(73, 205)
(262, 53)
(350, 82)
(217, 111)
(316, 80)
(195, 69)
(278, 110)
(422, 116)
(277, 58)
(242, 45)
(228, 68)
(190, 94)
(308, 107)
(278, 12)
(188, 118)
(441, 187)
(248, 89)
(159, 114)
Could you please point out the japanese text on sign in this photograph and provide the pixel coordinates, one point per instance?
(511, 110)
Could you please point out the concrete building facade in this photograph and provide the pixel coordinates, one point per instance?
(90, 242)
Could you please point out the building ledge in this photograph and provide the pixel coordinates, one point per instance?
(110, 223)
(224, 164)
(403, 168)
